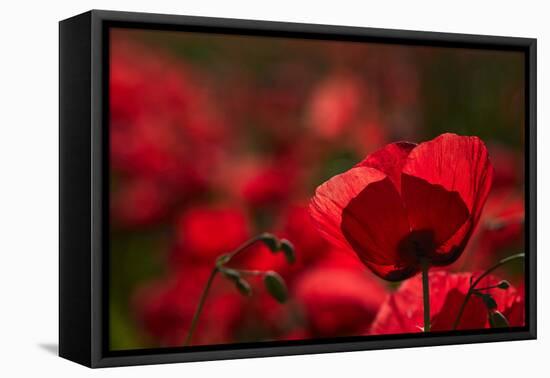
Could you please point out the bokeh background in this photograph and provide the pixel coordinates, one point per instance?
(216, 138)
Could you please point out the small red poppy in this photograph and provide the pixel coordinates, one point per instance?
(402, 311)
(407, 202)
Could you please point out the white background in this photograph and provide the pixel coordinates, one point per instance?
(29, 187)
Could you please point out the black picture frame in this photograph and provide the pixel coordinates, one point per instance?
(84, 200)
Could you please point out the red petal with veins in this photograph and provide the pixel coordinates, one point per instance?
(402, 311)
(390, 160)
(375, 222)
(458, 164)
(332, 197)
(435, 214)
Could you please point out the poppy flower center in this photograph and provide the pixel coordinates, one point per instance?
(415, 246)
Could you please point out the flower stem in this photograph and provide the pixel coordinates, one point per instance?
(200, 306)
(244, 246)
(247, 272)
(216, 269)
(426, 294)
(472, 288)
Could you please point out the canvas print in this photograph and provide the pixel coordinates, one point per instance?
(266, 189)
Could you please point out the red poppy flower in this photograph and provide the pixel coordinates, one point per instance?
(402, 311)
(338, 302)
(407, 202)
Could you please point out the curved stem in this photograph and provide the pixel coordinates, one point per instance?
(478, 280)
(462, 307)
(248, 272)
(426, 294)
(200, 306)
(244, 246)
(216, 269)
(487, 287)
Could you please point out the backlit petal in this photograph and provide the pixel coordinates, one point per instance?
(390, 159)
(375, 222)
(435, 214)
(333, 196)
(458, 164)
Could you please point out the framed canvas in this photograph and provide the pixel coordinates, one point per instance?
(234, 188)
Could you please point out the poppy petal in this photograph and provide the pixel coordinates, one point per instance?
(393, 273)
(390, 159)
(402, 311)
(458, 164)
(435, 214)
(375, 223)
(333, 196)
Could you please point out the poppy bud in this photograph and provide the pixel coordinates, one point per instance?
(270, 241)
(232, 274)
(288, 249)
(498, 320)
(276, 286)
(489, 301)
(503, 285)
(244, 287)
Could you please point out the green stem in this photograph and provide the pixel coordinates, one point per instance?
(487, 287)
(216, 269)
(200, 306)
(478, 280)
(426, 294)
(247, 272)
(244, 246)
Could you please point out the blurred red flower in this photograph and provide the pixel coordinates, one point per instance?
(334, 104)
(407, 202)
(138, 203)
(298, 227)
(402, 311)
(164, 128)
(205, 232)
(270, 185)
(501, 228)
(338, 302)
(264, 318)
(503, 219)
(341, 258)
(508, 165)
(260, 257)
(164, 309)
